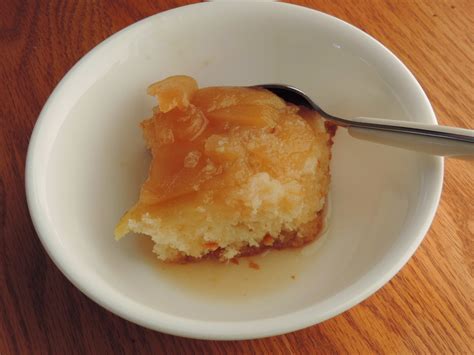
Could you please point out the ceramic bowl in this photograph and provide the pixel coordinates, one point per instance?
(87, 159)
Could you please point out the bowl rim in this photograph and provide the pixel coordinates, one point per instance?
(158, 320)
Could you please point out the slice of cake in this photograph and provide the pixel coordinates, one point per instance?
(234, 171)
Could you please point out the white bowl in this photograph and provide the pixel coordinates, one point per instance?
(87, 159)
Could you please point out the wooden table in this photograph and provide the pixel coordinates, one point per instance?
(426, 308)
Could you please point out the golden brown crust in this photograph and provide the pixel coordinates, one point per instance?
(331, 128)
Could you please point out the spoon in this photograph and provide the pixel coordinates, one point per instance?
(426, 138)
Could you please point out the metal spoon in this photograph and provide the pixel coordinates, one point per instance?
(427, 138)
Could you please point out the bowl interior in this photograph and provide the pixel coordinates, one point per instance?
(88, 160)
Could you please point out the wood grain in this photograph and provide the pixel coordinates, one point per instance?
(426, 308)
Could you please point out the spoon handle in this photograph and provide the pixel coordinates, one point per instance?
(426, 138)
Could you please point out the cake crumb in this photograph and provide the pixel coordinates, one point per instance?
(254, 265)
(234, 261)
(268, 240)
(191, 160)
(211, 245)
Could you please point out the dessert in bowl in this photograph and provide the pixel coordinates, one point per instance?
(87, 160)
(235, 171)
